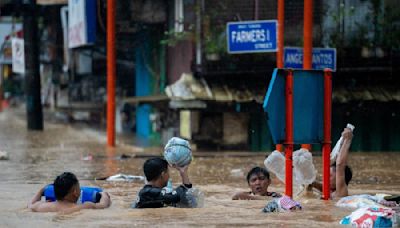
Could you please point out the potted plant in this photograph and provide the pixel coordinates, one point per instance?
(215, 45)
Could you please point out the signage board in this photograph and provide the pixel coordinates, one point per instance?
(18, 55)
(252, 36)
(81, 22)
(321, 58)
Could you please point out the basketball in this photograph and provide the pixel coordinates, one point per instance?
(178, 152)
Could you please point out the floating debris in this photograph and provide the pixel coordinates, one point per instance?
(123, 157)
(125, 177)
(3, 155)
(237, 173)
(87, 158)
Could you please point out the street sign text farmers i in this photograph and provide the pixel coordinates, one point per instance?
(252, 36)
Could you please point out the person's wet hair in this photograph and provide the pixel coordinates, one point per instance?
(63, 184)
(255, 171)
(154, 167)
(348, 173)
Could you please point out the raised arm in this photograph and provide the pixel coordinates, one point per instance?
(183, 171)
(341, 162)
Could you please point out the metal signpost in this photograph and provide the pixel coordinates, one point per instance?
(298, 105)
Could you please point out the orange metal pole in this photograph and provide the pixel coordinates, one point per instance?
(281, 21)
(289, 135)
(326, 147)
(111, 73)
(307, 33)
(308, 24)
(279, 53)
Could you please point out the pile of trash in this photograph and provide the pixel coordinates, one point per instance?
(371, 210)
(282, 204)
(370, 217)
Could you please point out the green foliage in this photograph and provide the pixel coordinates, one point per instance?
(172, 37)
(379, 28)
(337, 38)
(390, 28)
(215, 42)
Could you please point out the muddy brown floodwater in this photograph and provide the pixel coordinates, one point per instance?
(37, 157)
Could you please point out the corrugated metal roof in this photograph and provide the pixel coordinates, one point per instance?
(52, 2)
(190, 88)
(367, 93)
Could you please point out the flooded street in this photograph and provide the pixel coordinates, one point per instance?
(36, 158)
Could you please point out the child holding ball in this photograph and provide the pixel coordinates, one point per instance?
(154, 195)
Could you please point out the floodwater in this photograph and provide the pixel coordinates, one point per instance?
(37, 157)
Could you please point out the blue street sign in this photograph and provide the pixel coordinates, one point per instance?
(252, 36)
(321, 58)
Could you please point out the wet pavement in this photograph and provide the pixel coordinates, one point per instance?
(37, 157)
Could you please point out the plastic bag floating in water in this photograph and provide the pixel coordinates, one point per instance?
(124, 177)
(360, 201)
(192, 198)
(3, 155)
(284, 203)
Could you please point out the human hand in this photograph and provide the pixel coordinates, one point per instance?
(242, 196)
(105, 194)
(181, 169)
(347, 134)
(105, 199)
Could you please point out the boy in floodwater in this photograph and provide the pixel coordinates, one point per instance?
(153, 194)
(67, 192)
(341, 173)
(258, 180)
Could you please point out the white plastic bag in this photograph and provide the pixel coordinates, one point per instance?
(275, 163)
(336, 149)
(359, 201)
(125, 177)
(193, 198)
(303, 167)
